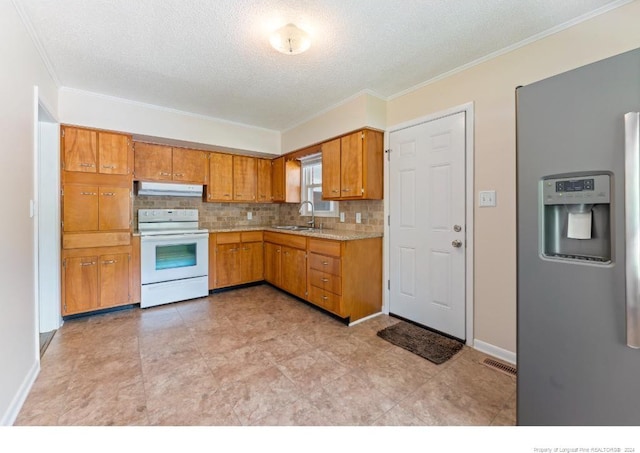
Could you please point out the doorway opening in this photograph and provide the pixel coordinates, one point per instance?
(45, 209)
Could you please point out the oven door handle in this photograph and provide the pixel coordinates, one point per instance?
(173, 237)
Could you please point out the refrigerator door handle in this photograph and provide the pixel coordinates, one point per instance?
(632, 226)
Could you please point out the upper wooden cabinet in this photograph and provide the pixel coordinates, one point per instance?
(189, 165)
(238, 178)
(352, 167)
(220, 185)
(264, 181)
(94, 151)
(245, 176)
(164, 163)
(285, 180)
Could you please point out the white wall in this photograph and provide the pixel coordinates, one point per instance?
(361, 110)
(491, 87)
(82, 108)
(22, 68)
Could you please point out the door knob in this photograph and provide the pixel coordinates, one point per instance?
(457, 228)
(456, 243)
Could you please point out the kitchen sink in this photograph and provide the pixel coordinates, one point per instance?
(293, 228)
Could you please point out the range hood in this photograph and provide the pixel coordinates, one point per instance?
(169, 189)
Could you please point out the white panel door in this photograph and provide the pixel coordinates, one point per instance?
(427, 230)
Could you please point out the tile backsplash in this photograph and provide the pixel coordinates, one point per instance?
(229, 215)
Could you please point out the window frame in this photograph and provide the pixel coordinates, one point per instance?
(307, 187)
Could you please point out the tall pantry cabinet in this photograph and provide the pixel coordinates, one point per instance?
(96, 201)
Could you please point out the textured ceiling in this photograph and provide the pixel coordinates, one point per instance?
(212, 57)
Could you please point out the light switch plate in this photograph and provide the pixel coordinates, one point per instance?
(358, 217)
(487, 198)
(342, 216)
(249, 215)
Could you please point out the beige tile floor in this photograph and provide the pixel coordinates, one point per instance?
(253, 356)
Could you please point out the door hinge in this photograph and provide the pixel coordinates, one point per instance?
(389, 285)
(62, 224)
(62, 192)
(362, 135)
(62, 132)
(388, 153)
(64, 263)
(389, 220)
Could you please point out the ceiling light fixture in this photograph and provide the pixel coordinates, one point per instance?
(290, 40)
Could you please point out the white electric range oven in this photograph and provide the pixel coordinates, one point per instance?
(174, 256)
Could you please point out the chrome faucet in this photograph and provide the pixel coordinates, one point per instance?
(312, 222)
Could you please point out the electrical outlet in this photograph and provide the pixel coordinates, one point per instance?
(342, 216)
(358, 217)
(249, 215)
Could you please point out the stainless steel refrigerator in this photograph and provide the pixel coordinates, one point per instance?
(578, 246)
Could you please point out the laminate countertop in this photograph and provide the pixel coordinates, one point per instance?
(336, 235)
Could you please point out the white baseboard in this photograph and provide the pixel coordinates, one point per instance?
(495, 351)
(10, 416)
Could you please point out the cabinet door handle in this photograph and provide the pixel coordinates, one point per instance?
(226, 195)
(108, 166)
(88, 193)
(325, 280)
(178, 174)
(324, 298)
(108, 194)
(87, 165)
(325, 263)
(245, 248)
(335, 191)
(346, 190)
(88, 263)
(109, 261)
(162, 173)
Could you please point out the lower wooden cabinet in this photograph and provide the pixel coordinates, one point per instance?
(285, 262)
(342, 277)
(238, 258)
(345, 277)
(94, 279)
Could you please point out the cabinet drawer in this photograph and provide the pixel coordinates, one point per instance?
(326, 300)
(324, 247)
(227, 238)
(328, 282)
(325, 263)
(251, 236)
(292, 240)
